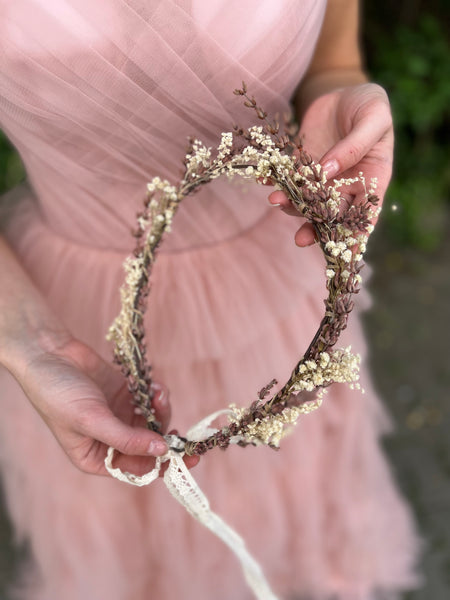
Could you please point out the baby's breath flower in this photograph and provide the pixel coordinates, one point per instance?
(347, 256)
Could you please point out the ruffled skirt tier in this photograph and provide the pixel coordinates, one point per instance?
(322, 515)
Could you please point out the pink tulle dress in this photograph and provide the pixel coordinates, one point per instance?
(99, 96)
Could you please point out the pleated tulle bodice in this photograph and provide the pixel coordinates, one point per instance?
(100, 96)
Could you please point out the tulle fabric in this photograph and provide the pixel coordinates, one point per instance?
(98, 97)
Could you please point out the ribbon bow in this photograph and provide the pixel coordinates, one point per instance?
(185, 489)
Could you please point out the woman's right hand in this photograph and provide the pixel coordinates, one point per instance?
(85, 403)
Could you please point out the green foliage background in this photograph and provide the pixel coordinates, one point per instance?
(407, 50)
(11, 169)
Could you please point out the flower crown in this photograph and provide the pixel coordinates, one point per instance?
(341, 228)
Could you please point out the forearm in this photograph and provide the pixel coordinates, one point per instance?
(27, 325)
(337, 60)
(69, 385)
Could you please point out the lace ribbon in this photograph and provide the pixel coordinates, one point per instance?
(184, 488)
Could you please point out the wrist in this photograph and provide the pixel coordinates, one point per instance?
(28, 327)
(319, 83)
(30, 334)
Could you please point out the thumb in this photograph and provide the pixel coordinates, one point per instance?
(133, 441)
(367, 131)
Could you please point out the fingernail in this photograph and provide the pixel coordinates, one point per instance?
(157, 448)
(162, 393)
(275, 195)
(331, 167)
(163, 397)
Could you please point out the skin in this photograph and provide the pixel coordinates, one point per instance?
(346, 122)
(81, 398)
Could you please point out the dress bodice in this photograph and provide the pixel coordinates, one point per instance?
(98, 97)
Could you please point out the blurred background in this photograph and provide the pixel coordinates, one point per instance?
(407, 51)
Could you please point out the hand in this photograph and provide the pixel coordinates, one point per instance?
(348, 130)
(85, 403)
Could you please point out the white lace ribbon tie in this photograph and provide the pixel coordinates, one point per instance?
(185, 489)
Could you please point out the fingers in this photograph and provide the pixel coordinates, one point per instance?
(138, 465)
(102, 425)
(161, 404)
(279, 198)
(191, 461)
(305, 236)
(372, 125)
(136, 448)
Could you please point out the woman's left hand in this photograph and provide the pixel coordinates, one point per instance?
(348, 130)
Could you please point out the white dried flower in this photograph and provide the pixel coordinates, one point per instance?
(347, 256)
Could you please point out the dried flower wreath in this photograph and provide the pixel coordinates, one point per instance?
(341, 228)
